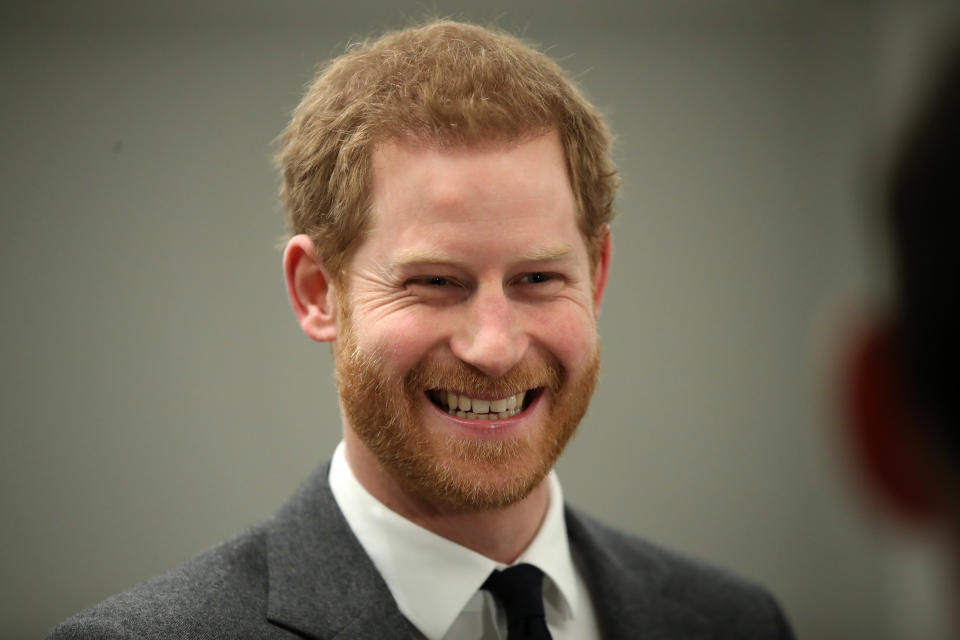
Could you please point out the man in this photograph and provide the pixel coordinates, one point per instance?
(449, 193)
(902, 374)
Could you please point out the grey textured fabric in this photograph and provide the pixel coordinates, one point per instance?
(304, 574)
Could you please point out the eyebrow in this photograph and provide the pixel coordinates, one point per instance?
(548, 254)
(419, 256)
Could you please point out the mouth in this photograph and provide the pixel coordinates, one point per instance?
(470, 408)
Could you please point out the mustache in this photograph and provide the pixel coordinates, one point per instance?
(460, 376)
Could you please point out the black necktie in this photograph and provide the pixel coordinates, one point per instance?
(520, 589)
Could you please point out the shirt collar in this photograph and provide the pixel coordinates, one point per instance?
(432, 578)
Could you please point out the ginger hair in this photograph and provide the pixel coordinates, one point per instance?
(445, 83)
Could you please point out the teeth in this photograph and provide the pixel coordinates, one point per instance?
(478, 409)
(466, 403)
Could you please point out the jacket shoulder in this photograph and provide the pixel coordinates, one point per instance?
(678, 595)
(220, 593)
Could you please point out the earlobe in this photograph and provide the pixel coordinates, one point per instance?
(894, 457)
(311, 289)
(602, 269)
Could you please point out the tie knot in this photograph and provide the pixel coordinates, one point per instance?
(520, 589)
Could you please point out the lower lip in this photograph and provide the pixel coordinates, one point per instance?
(490, 428)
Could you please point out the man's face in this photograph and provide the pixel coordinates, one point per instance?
(467, 349)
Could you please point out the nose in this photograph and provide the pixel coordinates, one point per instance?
(491, 337)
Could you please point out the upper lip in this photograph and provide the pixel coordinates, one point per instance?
(482, 395)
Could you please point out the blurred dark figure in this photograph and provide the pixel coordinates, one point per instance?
(902, 394)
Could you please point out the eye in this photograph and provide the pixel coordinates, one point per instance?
(436, 289)
(537, 277)
(540, 278)
(539, 283)
(431, 281)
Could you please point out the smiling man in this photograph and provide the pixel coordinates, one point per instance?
(449, 193)
(472, 291)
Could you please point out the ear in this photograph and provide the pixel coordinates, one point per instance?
(602, 270)
(895, 459)
(311, 289)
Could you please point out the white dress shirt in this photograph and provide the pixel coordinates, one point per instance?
(436, 582)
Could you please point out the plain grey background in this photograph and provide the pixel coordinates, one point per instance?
(157, 394)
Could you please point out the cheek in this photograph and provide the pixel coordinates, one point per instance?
(571, 337)
(400, 341)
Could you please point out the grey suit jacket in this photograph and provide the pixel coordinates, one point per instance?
(304, 574)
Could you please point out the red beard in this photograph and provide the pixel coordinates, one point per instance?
(464, 474)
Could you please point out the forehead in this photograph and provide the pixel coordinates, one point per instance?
(489, 187)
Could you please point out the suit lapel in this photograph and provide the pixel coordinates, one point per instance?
(321, 582)
(629, 601)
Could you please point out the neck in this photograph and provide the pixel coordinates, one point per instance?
(499, 534)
